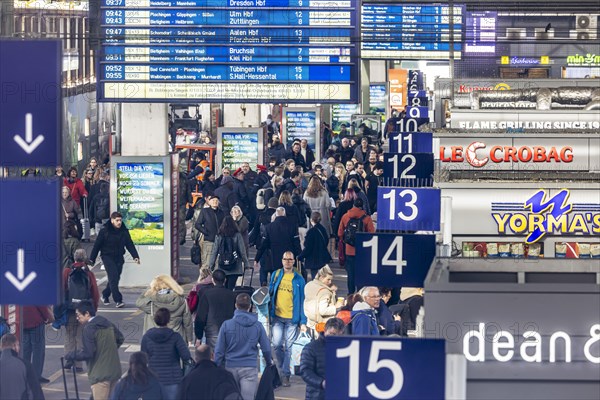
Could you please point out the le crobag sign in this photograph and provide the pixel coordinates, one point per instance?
(541, 154)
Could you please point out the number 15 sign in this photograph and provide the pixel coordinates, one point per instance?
(372, 368)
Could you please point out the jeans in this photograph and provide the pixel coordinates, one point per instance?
(231, 281)
(263, 273)
(247, 379)
(170, 391)
(350, 271)
(113, 268)
(34, 347)
(74, 337)
(284, 333)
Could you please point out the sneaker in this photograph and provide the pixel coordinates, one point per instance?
(105, 301)
(120, 304)
(285, 381)
(44, 380)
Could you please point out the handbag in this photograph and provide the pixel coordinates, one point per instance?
(195, 253)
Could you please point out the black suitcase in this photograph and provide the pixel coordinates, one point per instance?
(249, 290)
(62, 364)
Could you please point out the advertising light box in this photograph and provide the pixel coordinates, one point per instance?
(302, 123)
(236, 146)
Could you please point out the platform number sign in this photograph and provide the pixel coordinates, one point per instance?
(394, 260)
(411, 142)
(370, 368)
(408, 209)
(413, 170)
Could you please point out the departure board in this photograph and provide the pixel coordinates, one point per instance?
(300, 51)
(411, 31)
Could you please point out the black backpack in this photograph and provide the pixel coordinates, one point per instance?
(78, 287)
(354, 226)
(102, 208)
(228, 255)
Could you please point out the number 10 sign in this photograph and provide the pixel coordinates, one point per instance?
(372, 368)
(408, 209)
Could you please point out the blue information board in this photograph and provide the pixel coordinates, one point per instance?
(408, 169)
(374, 368)
(411, 31)
(411, 142)
(408, 209)
(302, 51)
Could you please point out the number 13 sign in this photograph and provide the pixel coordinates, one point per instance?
(371, 368)
(408, 209)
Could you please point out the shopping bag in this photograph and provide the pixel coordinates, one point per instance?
(302, 340)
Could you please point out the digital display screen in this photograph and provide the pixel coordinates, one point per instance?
(301, 125)
(480, 32)
(377, 99)
(239, 148)
(342, 114)
(229, 50)
(140, 199)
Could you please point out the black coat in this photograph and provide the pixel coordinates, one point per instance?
(125, 390)
(292, 214)
(208, 223)
(342, 209)
(112, 242)
(227, 197)
(312, 368)
(315, 253)
(215, 307)
(165, 348)
(333, 187)
(304, 210)
(206, 381)
(278, 151)
(264, 218)
(310, 158)
(208, 187)
(288, 184)
(298, 159)
(373, 181)
(346, 154)
(281, 237)
(241, 195)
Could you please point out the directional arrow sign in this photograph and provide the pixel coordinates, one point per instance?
(30, 103)
(30, 263)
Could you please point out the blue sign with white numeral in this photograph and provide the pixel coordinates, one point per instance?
(412, 170)
(392, 260)
(408, 209)
(30, 264)
(30, 103)
(411, 142)
(370, 368)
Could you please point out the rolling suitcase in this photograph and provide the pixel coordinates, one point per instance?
(249, 290)
(62, 364)
(85, 222)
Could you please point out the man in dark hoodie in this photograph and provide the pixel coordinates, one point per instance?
(111, 243)
(100, 207)
(277, 149)
(227, 194)
(237, 346)
(166, 348)
(101, 341)
(215, 307)
(18, 380)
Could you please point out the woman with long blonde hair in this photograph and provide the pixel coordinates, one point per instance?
(165, 292)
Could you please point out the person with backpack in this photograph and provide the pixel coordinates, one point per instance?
(79, 284)
(229, 252)
(353, 222)
(166, 349)
(100, 207)
(215, 307)
(139, 383)
(70, 243)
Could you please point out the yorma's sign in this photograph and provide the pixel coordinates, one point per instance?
(508, 153)
(543, 214)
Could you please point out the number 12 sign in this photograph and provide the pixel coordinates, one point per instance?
(408, 209)
(388, 259)
(373, 368)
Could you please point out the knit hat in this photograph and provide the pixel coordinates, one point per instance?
(237, 172)
(273, 202)
(261, 168)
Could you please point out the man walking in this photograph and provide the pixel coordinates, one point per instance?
(237, 346)
(35, 319)
(208, 224)
(111, 243)
(101, 340)
(287, 312)
(215, 307)
(312, 366)
(18, 380)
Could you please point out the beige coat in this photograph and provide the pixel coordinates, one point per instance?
(319, 303)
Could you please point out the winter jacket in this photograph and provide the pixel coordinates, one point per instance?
(206, 381)
(112, 242)
(240, 248)
(241, 195)
(18, 380)
(70, 210)
(340, 211)
(209, 222)
(278, 151)
(215, 307)
(292, 214)
(346, 154)
(361, 195)
(312, 368)
(181, 318)
(364, 321)
(94, 292)
(333, 187)
(373, 183)
(77, 188)
(304, 210)
(239, 337)
(165, 348)
(208, 187)
(100, 208)
(386, 320)
(264, 218)
(243, 226)
(319, 303)
(361, 156)
(288, 184)
(125, 390)
(70, 244)
(368, 226)
(34, 316)
(309, 158)
(101, 340)
(298, 317)
(315, 253)
(281, 237)
(265, 386)
(227, 198)
(298, 159)
(322, 205)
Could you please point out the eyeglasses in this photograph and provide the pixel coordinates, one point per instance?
(288, 259)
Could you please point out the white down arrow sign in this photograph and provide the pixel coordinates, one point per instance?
(20, 282)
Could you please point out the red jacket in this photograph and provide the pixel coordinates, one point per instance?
(367, 224)
(34, 316)
(91, 277)
(77, 189)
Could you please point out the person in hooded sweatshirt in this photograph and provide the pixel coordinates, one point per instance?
(237, 349)
(166, 348)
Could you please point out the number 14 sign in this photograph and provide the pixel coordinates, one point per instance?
(372, 368)
(391, 260)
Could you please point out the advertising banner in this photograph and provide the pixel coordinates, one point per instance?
(342, 114)
(140, 200)
(236, 146)
(398, 88)
(302, 123)
(377, 98)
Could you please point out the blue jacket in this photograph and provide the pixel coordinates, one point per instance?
(298, 283)
(165, 349)
(364, 322)
(238, 339)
